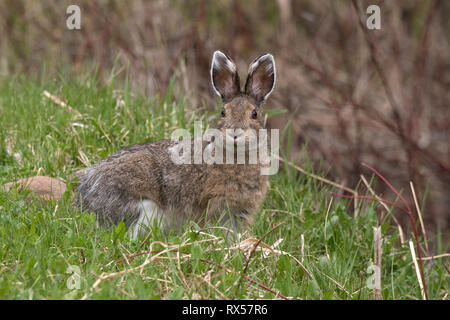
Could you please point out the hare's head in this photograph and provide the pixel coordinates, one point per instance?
(242, 108)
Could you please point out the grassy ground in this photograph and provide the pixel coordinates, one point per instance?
(43, 245)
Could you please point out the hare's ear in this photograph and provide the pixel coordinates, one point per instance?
(224, 77)
(261, 78)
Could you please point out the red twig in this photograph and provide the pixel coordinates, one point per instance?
(408, 211)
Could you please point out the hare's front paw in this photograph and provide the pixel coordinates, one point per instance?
(149, 212)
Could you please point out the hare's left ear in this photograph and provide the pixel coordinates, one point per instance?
(261, 78)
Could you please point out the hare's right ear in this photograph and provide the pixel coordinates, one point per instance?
(224, 77)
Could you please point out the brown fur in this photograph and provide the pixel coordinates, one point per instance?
(115, 187)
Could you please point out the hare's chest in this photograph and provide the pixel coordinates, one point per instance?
(239, 190)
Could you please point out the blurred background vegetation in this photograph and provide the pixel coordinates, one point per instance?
(351, 94)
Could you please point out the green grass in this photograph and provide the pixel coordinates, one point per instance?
(40, 240)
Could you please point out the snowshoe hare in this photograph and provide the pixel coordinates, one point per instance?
(141, 184)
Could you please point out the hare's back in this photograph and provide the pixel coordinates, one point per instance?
(113, 187)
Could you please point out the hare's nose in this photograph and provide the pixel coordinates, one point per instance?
(234, 134)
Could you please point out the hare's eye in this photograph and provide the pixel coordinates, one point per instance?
(223, 112)
(254, 114)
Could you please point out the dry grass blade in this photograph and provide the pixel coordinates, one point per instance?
(302, 247)
(444, 255)
(325, 228)
(83, 158)
(58, 101)
(378, 251)
(183, 279)
(419, 213)
(176, 248)
(419, 278)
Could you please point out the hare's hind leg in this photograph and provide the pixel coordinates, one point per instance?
(149, 212)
